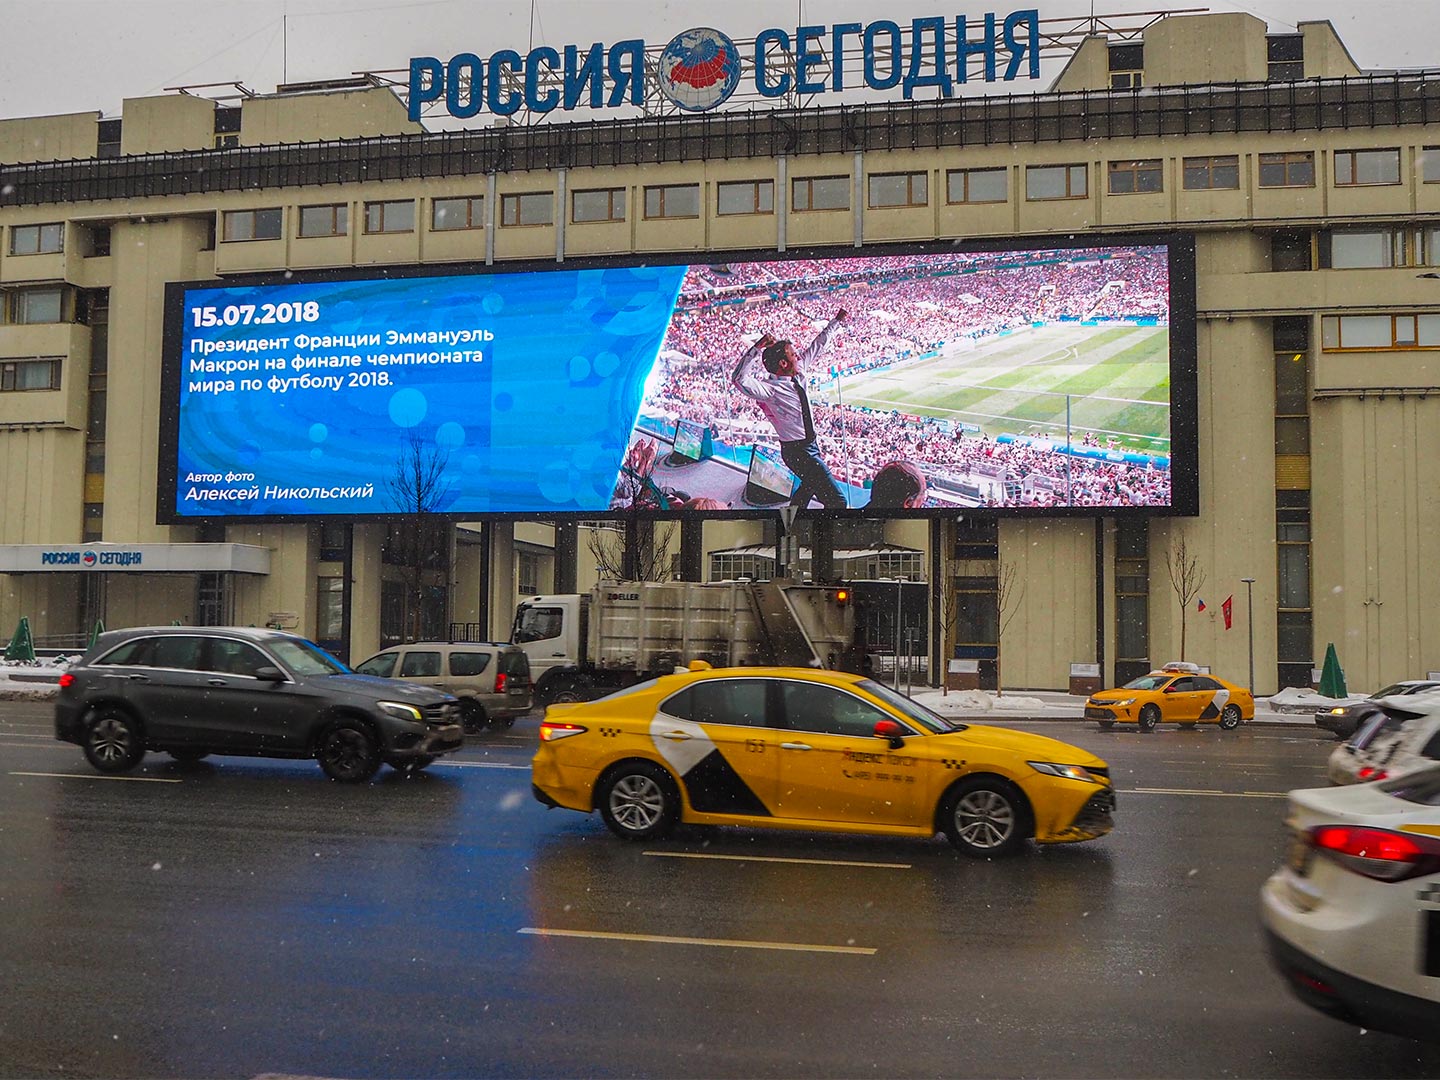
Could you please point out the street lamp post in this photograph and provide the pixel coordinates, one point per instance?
(899, 592)
(1250, 626)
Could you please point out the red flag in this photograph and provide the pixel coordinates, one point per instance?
(1201, 605)
(1226, 607)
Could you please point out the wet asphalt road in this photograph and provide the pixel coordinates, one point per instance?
(240, 918)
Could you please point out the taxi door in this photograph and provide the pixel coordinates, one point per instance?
(716, 735)
(833, 768)
(1183, 699)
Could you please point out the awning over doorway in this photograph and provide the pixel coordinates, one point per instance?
(134, 558)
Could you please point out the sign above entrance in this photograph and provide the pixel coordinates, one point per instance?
(134, 558)
(701, 68)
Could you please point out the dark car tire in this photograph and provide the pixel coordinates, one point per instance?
(1106, 725)
(472, 716)
(638, 801)
(113, 742)
(1230, 718)
(566, 694)
(188, 757)
(986, 817)
(1149, 718)
(348, 753)
(411, 765)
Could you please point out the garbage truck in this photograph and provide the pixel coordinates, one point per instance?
(584, 645)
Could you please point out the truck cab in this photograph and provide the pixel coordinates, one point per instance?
(551, 630)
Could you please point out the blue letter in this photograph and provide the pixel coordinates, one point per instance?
(502, 104)
(963, 48)
(837, 52)
(578, 76)
(471, 79)
(761, 40)
(424, 89)
(633, 78)
(941, 75)
(1031, 20)
(534, 100)
(806, 58)
(885, 26)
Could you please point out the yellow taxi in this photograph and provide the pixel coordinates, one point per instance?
(1177, 693)
(801, 748)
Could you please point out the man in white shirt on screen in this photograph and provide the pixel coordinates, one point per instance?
(779, 389)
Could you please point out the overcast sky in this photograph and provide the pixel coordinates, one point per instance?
(63, 56)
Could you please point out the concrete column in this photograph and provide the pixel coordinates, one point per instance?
(500, 580)
(692, 549)
(567, 556)
(365, 590)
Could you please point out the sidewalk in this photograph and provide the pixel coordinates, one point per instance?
(984, 707)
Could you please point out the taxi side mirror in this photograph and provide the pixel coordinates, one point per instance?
(891, 732)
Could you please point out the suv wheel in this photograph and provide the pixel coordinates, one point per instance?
(348, 753)
(112, 742)
(472, 715)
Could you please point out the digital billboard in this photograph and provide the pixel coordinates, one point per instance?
(882, 382)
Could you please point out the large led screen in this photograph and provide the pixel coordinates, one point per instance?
(1031, 381)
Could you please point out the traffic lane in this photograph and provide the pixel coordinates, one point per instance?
(296, 894)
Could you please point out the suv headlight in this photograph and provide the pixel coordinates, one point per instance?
(401, 711)
(1069, 772)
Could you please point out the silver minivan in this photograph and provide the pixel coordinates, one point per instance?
(491, 679)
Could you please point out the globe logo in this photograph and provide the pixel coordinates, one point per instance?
(699, 69)
(88, 558)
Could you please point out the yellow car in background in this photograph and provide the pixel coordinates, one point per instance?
(1177, 693)
(799, 748)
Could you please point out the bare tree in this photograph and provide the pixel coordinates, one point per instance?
(1009, 591)
(418, 489)
(650, 553)
(947, 607)
(1186, 578)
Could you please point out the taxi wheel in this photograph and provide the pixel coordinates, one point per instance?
(1149, 717)
(986, 817)
(638, 801)
(1106, 725)
(1230, 718)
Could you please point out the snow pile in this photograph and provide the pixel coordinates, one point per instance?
(40, 682)
(980, 701)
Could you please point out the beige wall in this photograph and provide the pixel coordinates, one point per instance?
(49, 138)
(156, 124)
(348, 114)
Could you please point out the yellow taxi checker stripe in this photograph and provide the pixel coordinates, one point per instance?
(667, 939)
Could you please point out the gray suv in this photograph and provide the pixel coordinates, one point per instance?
(194, 691)
(491, 679)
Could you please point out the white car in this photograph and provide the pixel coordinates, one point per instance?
(1353, 917)
(1401, 735)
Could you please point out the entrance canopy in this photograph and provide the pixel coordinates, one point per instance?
(133, 558)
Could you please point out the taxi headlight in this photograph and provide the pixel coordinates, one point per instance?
(1124, 701)
(401, 711)
(1069, 772)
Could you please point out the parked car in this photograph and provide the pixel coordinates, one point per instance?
(1403, 734)
(492, 680)
(1351, 917)
(195, 691)
(1177, 693)
(804, 748)
(1344, 720)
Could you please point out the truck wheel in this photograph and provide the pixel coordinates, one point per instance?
(566, 694)
(638, 801)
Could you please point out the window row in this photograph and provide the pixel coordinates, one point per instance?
(1371, 333)
(37, 373)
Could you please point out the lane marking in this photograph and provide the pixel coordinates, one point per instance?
(775, 859)
(477, 765)
(102, 776)
(27, 735)
(667, 939)
(1195, 791)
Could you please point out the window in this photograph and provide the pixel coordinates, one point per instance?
(1136, 177)
(334, 539)
(538, 623)
(107, 135)
(1290, 251)
(1212, 173)
(37, 239)
(1127, 63)
(673, 201)
(1430, 165)
(179, 652)
(738, 702)
(1367, 168)
(1132, 596)
(820, 193)
(134, 653)
(463, 212)
(397, 216)
(331, 220)
(252, 224)
(899, 189)
(823, 709)
(1348, 249)
(745, 197)
(976, 185)
(31, 306)
(42, 373)
(468, 663)
(603, 205)
(1055, 182)
(1372, 332)
(380, 665)
(1285, 57)
(977, 604)
(236, 658)
(1294, 168)
(528, 573)
(529, 208)
(420, 665)
(329, 608)
(97, 241)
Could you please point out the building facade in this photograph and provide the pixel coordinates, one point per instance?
(1312, 190)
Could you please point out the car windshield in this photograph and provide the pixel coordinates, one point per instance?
(305, 657)
(911, 710)
(1148, 682)
(1396, 688)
